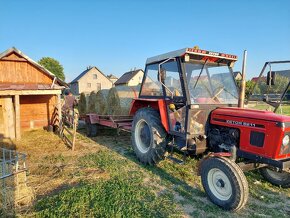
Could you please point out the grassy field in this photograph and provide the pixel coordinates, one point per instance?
(283, 109)
(103, 178)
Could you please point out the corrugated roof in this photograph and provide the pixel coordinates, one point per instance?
(13, 86)
(125, 78)
(86, 71)
(37, 65)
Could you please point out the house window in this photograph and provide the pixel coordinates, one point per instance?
(89, 85)
(95, 76)
(98, 86)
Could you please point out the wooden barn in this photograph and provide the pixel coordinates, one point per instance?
(29, 94)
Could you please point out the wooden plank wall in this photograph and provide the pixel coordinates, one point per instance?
(36, 110)
(14, 69)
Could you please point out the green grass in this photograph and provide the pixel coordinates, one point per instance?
(116, 197)
(283, 109)
(122, 195)
(127, 188)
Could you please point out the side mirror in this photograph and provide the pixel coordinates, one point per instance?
(271, 78)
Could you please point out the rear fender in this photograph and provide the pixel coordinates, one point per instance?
(157, 104)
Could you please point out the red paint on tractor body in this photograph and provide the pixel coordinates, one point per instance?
(157, 104)
(248, 121)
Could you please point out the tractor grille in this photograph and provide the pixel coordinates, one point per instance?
(285, 149)
(257, 138)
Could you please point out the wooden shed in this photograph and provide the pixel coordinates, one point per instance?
(29, 94)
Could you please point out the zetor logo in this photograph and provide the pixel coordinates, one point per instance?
(213, 53)
(240, 123)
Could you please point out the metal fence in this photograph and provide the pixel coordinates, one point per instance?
(11, 162)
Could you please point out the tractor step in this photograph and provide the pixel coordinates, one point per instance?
(175, 160)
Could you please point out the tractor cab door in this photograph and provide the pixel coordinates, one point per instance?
(170, 76)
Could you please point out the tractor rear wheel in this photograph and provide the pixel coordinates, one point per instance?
(276, 178)
(148, 136)
(224, 183)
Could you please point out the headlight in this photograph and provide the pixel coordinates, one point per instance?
(285, 140)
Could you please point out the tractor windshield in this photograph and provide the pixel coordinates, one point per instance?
(210, 83)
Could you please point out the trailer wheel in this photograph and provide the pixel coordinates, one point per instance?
(148, 136)
(276, 178)
(91, 129)
(225, 183)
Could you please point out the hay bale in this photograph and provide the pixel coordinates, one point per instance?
(82, 104)
(120, 98)
(101, 106)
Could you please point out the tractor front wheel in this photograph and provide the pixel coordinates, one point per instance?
(148, 136)
(224, 183)
(276, 178)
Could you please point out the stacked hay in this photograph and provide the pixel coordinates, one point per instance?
(82, 104)
(15, 193)
(101, 105)
(92, 102)
(120, 98)
(98, 102)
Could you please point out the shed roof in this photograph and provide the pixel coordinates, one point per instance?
(18, 86)
(125, 78)
(85, 72)
(34, 63)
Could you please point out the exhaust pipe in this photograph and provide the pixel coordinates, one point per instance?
(243, 82)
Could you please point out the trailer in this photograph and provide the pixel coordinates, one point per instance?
(119, 122)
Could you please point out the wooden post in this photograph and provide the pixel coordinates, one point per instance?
(9, 119)
(75, 124)
(17, 117)
(59, 107)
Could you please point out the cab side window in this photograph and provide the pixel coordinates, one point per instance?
(151, 85)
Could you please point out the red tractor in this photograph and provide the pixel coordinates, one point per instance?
(189, 101)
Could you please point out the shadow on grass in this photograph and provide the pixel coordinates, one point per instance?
(267, 204)
(122, 145)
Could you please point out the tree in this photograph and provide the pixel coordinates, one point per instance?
(53, 66)
(249, 88)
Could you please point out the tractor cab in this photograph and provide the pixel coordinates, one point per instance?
(271, 90)
(192, 82)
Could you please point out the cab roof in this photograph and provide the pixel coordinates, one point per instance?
(195, 54)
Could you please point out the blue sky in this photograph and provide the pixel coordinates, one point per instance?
(117, 36)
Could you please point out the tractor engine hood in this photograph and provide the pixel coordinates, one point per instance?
(236, 113)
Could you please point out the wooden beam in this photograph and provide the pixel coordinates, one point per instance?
(29, 92)
(17, 117)
(59, 107)
(9, 123)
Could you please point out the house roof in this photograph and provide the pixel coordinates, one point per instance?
(34, 63)
(126, 77)
(111, 76)
(237, 74)
(85, 72)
